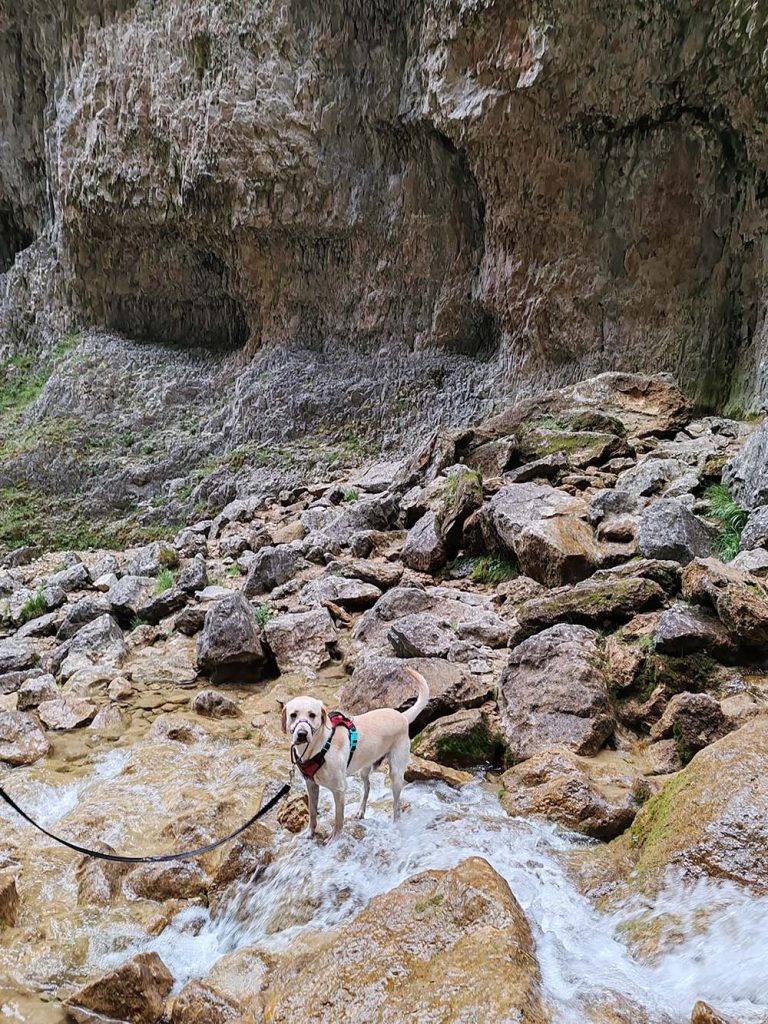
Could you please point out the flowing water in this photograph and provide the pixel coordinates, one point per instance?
(717, 950)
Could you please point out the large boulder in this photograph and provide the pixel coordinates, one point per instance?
(16, 655)
(100, 643)
(686, 629)
(516, 506)
(181, 879)
(151, 559)
(271, 567)
(744, 613)
(127, 595)
(694, 720)
(420, 636)
(461, 740)
(301, 639)
(424, 550)
(437, 933)
(654, 476)
(66, 712)
(343, 591)
(200, 1004)
(134, 992)
(384, 683)
(395, 604)
(668, 529)
(590, 795)
(593, 603)
(22, 741)
(229, 647)
(708, 820)
(553, 692)
(80, 614)
(755, 532)
(747, 473)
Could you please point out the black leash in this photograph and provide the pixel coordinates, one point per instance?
(283, 791)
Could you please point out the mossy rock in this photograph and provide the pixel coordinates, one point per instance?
(461, 740)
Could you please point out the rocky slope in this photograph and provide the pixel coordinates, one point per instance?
(350, 215)
(582, 581)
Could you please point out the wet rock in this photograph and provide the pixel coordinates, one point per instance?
(80, 614)
(744, 613)
(293, 814)
(212, 704)
(694, 719)
(149, 560)
(384, 683)
(109, 720)
(685, 629)
(747, 473)
(554, 693)
(16, 655)
(245, 858)
(461, 740)
(9, 899)
(754, 562)
(589, 795)
(419, 769)
(229, 647)
(98, 881)
(420, 636)
(65, 713)
(193, 577)
(127, 596)
(35, 690)
(669, 530)
(271, 567)
(622, 663)
(200, 1004)
(119, 688)
(181, 879)
(424, 550)
(99, 643)
(704, 1014)
(134, 992)
(178, 729)
(22, 741)
(350, 594)
(592, 602)
(704, 579)
(437, 932)
(708, 820)
(190, 620)
(662, 758)
(301, 639)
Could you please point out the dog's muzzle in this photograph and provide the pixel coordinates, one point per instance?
(302, 732)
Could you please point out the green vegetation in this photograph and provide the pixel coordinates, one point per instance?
(262, 613)
(731, 516)
(234, 570)
(695, 673)
(350, 494)
(433, 901)
(137, 621)
(32, 607)
(684, 752)
(494, 569)
(478, 746)
(165, 580)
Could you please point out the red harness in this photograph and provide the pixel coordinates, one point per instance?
(311, 767)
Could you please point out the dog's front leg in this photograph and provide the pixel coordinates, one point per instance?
(313, 791)
(338, 819)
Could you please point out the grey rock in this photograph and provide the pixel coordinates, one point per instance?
(553, 692)
(229, 647)
(301, 639)
(98, 643)
(159, 606)
(35, 690)
(484, 627)
(747, 473)
(194, 576)
(380, 574)
(379, 477)
(43, 625)
(75, 577)
(212, 704)
(10, 682)
(652, 476)
(547, 468)
(127, 596)
(108, 565)
(149, 560)
(105, 582)
(684, 629)
(420, 636)
(22, 741)
(517, 506)
(424, 550)
(610, 502)
(346, 592)
(80, 613)
(393, 605)
(20, 556)
(16, 655)
(668, 530)
(191, 620)
(271, 567)
(384, 683)
(755, 532)
(754, 561)
(189, 542)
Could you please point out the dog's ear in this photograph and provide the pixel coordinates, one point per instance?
(323, 716)
(284, 719)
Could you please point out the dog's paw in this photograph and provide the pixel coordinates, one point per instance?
(359, 815)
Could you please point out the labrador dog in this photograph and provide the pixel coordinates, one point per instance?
(382, 733)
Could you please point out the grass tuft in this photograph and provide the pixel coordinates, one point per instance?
(731, 516)
(262, 613)
(494, 569)
(165, 580)
(350, 494)
(33, 607)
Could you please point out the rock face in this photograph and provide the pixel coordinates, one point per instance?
(553, 692)
(22, 741)
(301, 639)
(134, 992)
(434, 931)
(669, 530)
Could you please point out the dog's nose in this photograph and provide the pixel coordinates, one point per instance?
(302, 736)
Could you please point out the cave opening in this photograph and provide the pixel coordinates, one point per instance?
(14, 237)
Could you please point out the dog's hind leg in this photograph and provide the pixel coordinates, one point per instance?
(398, 759)
(338, 818)
(366, 777)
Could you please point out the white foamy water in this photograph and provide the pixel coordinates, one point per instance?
(579, 948)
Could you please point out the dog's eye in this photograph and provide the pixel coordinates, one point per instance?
(312, 714)
(293, 714)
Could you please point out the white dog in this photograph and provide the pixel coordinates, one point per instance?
(327, 748)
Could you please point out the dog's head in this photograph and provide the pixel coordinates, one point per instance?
(302, 718)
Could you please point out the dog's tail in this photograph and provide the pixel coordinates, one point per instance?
(421, 701)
